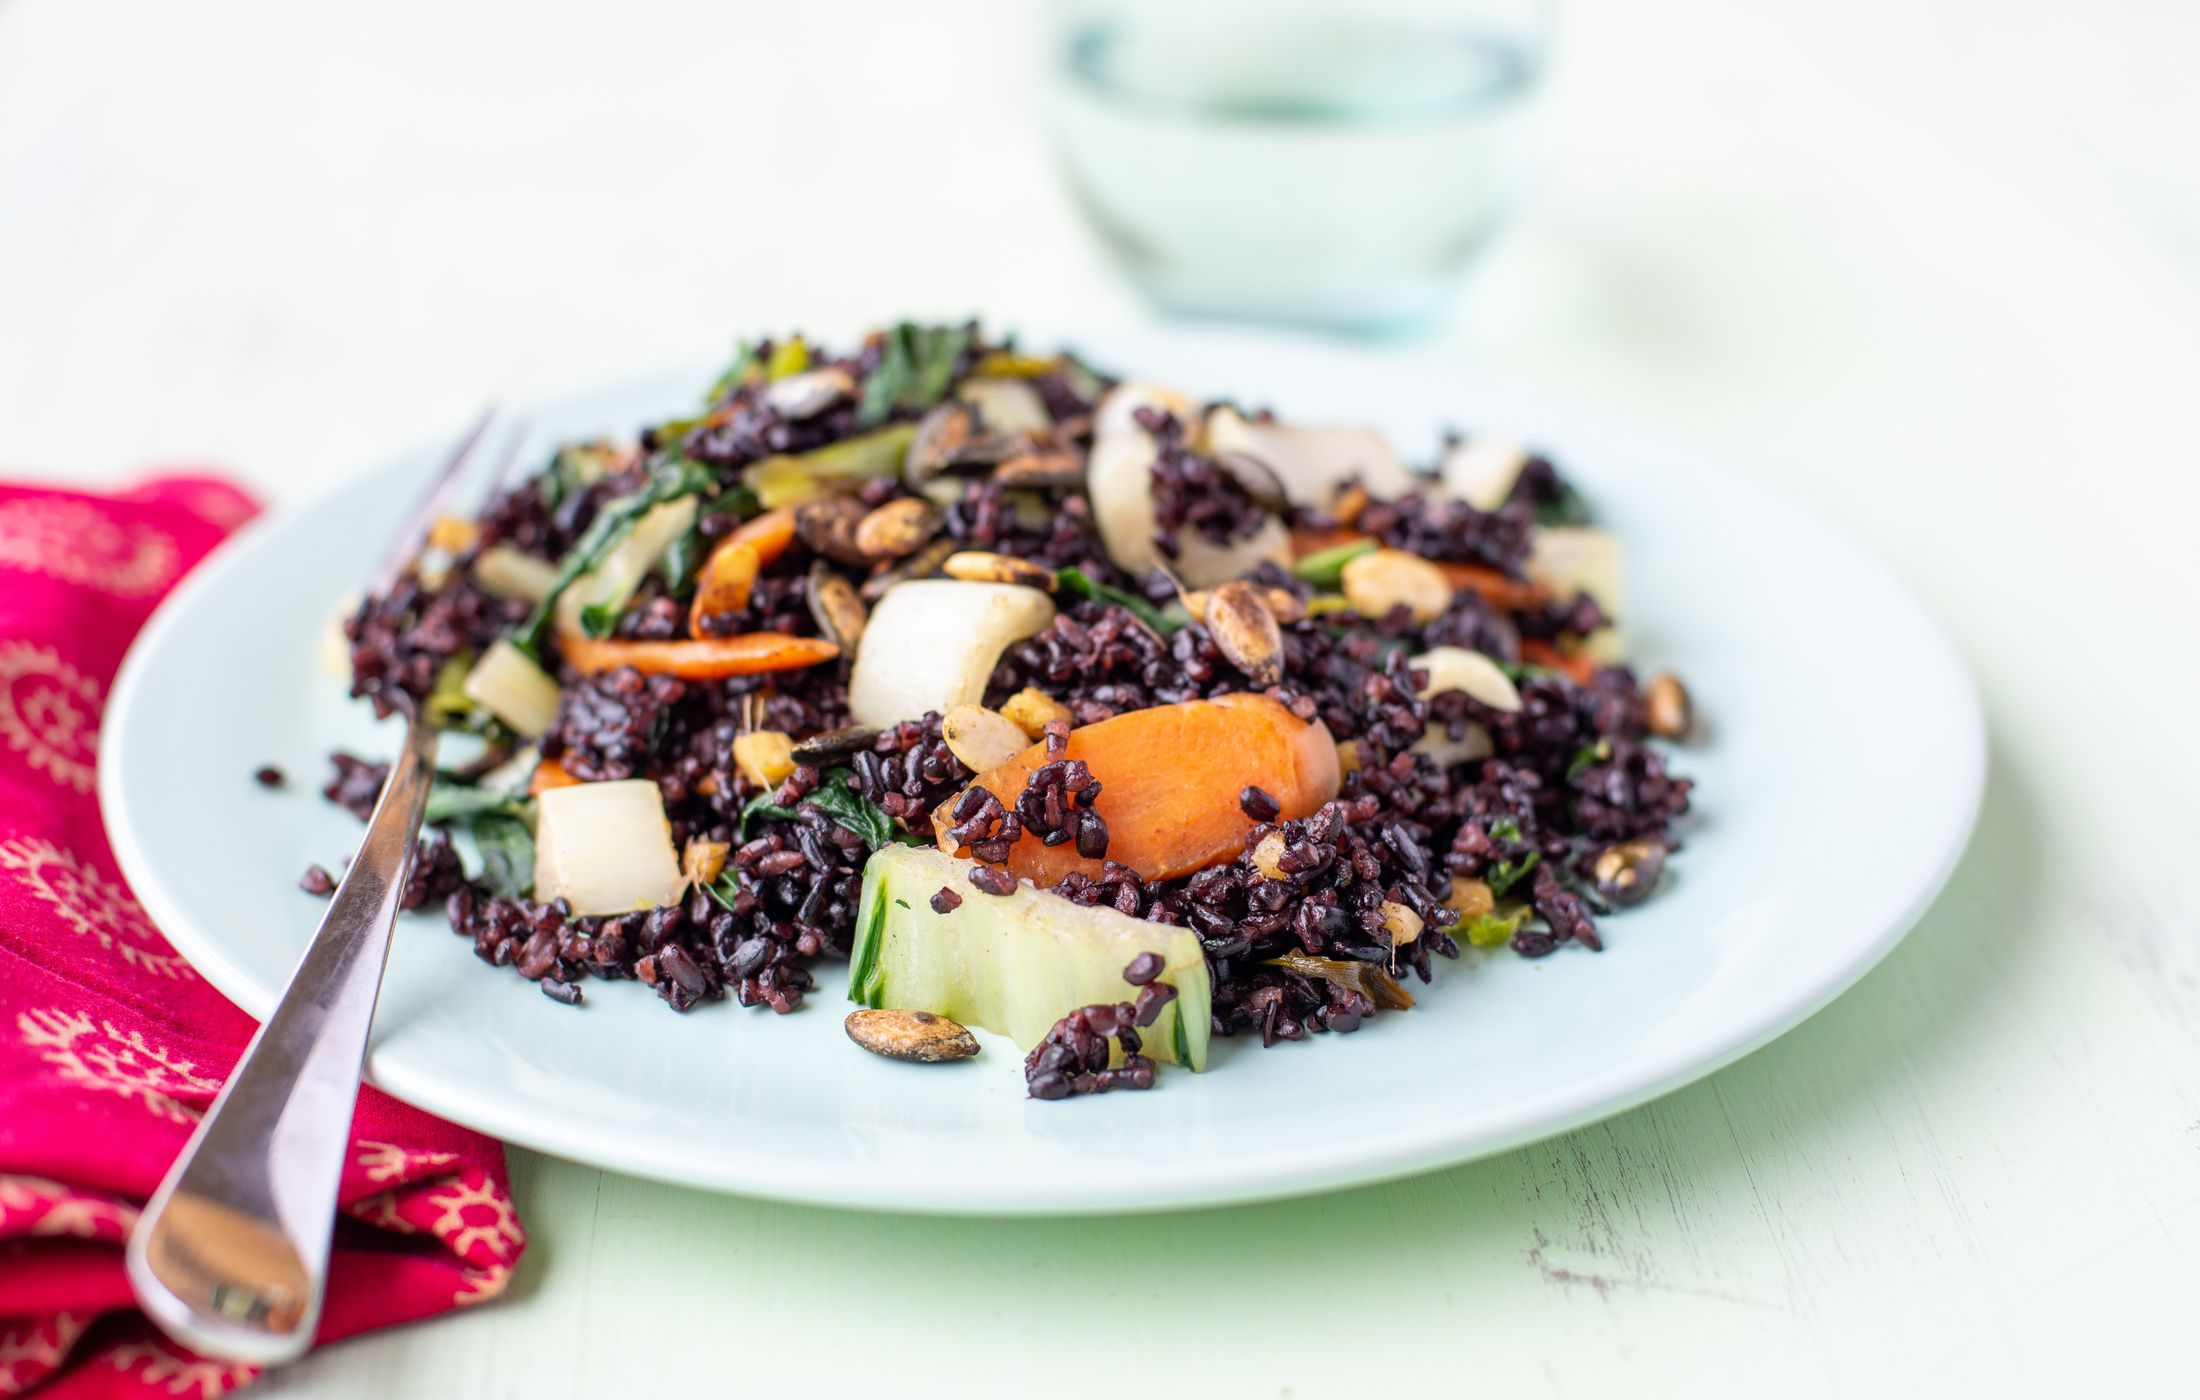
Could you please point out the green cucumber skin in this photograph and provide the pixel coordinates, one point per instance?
(863, 981)
(867, 981)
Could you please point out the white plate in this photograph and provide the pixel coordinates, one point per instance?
(1836, 787)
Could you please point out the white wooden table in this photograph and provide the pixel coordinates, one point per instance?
(1935, 266)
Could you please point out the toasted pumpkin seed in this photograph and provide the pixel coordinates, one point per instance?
(982, 738)
(1042, 468)
(1626, 873)
(1383, 579)
(764, 757)
(897, 528)
(1029, 709)
(1245, 630)
(916, 1036)
(1286, 605)
(1253, 476)
(834, 746)
(979, 566)
(805, 395)
(837, 607)
(828, 524)
(922, 564)
(1667, 708)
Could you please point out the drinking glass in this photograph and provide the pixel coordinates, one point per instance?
(1336, 163)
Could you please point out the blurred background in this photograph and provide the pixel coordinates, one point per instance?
(290, 238)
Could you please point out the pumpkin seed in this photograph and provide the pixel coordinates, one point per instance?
(922, 564)
(1383, 579)
(979, 566)
(837, 607)
(834, 746)
(828, 524)
(1286, 605)
(981, 738)
(1626, 873)
(917, 1036)
(1245, 630)
(806, 395)
(897, 528)
(1667, 708)
(1042, 469)
(1253, 476)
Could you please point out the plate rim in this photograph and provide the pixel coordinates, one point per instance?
(1232, 1180)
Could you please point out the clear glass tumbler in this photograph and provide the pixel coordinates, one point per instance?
(1335, 163)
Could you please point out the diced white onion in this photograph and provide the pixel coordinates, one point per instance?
(932, 644)
(514, 689)
(606, 848)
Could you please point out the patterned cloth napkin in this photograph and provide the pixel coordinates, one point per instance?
(111, 1047)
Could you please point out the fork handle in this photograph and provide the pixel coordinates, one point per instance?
(231, 1255)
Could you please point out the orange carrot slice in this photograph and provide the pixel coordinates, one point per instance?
(723, 584)
(1577, 664)
(705, 659)
(549, 774)
(1169, 783)
(768, 534)
(1502, 590)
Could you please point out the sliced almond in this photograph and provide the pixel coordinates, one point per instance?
(979, 566)
(980, 738)
(917, 1036)
(1268, 856)
(1245, 630)
(1029, 709)
(765, 757)
(1383, 579)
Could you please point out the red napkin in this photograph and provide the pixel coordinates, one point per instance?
(111, 1047)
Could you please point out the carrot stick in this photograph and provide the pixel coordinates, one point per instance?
(1502, 591)
(549, 774)
(1579, 664)
(705, 659)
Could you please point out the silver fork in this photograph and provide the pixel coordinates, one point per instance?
(230, 1257)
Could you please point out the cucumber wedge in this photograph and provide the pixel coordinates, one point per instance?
(1014, 963)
